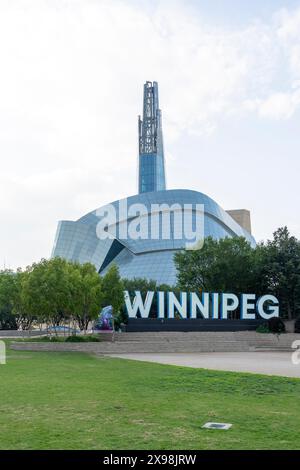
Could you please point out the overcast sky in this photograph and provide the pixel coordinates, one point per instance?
(71, 83)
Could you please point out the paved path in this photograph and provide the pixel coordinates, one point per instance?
(270, 363)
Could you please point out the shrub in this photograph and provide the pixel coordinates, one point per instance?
(276, 325)
(82, 339)
(75, 339)
(53, 339)
(264, 328)
(7, 321)
(93, 338)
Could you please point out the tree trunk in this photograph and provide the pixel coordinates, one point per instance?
(289, 311)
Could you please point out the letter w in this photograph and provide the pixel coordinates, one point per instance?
(138, 305)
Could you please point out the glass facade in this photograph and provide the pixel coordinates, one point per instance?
(147, 256)
(150, 258)
(151, 173)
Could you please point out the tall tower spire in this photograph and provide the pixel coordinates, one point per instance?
(151, 150)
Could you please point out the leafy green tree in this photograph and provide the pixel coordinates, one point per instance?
(113, 289)
(224, 265)
(7, 294)
(231, 265)
(140, 284)
(280, 270)
(23, 317)
(46, 292)
(86, 293)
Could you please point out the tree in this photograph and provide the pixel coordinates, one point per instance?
(7, 294)
(86, 293)
(46, 291)
(113, 290)
(231, 265)
(23, 317)
(140, 284)
(224, 265)
(280, 270)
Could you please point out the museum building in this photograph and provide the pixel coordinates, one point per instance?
(147, 256)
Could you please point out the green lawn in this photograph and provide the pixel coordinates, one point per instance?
(76, 401)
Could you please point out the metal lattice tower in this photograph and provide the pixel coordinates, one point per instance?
(151, 152)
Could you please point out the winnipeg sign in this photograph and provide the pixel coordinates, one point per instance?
(213, 306)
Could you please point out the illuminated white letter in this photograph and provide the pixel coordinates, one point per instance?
(226, 306)
(215, 306)
(138, 304)
(272, 310)
(246, 305)
(180, 306)
(203, 305)
(161, 304)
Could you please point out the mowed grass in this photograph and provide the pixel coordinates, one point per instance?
(78, 401)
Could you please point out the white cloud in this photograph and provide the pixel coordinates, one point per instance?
(71, 89)
(280, 105)
(288, 24)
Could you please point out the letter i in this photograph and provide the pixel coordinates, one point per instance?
(161, 304)
(215, 306)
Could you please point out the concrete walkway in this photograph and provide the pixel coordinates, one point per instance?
(269, 363)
